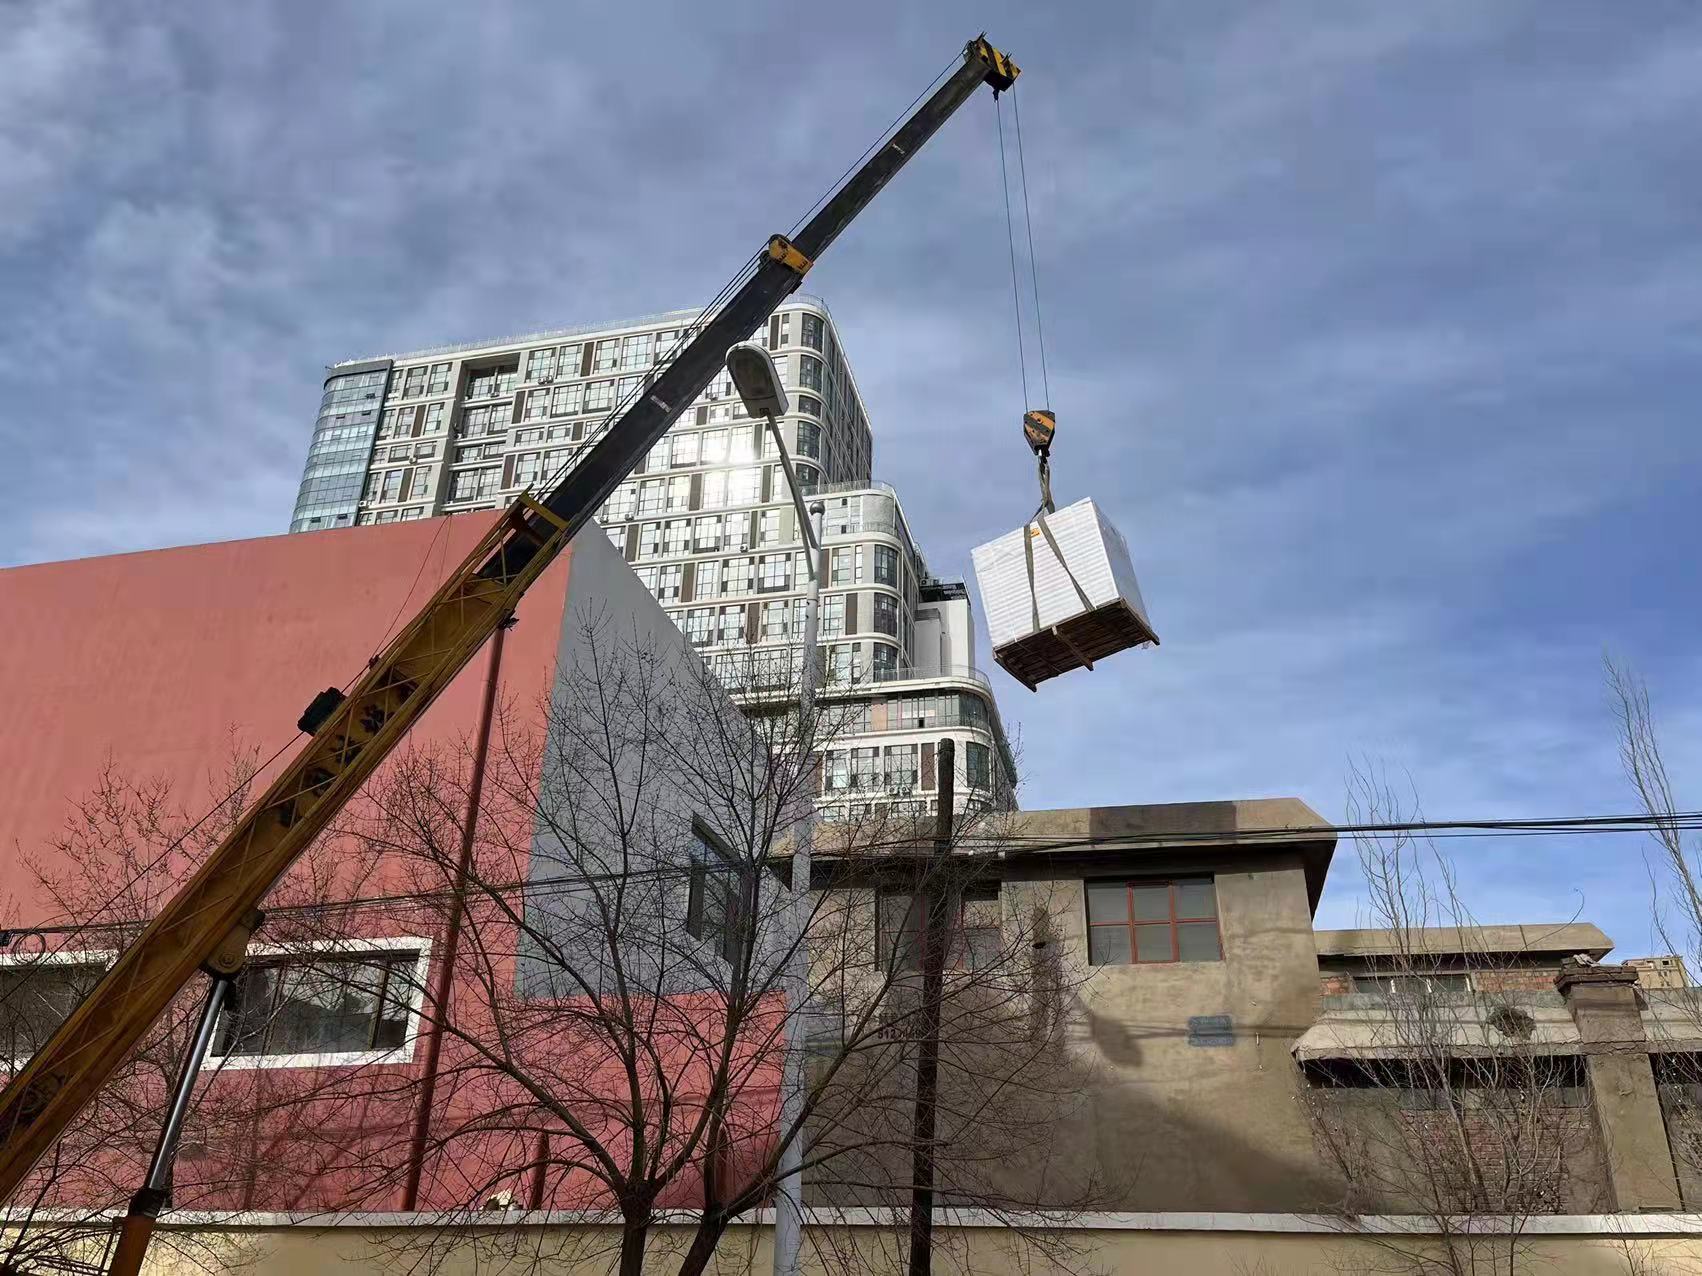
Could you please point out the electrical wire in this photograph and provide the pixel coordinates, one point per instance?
(688, 333)
(873, 146)
(999, 846)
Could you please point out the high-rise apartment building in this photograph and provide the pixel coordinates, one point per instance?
(706, 521)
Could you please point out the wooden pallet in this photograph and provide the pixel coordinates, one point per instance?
(1074, 644)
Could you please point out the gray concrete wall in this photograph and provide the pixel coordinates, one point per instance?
(944, 637)
(1633, 1131)
(613, 630)
(1603, 1001)
(1212, 1119)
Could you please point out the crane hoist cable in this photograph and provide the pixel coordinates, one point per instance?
(1039, 424)
(1033, 261)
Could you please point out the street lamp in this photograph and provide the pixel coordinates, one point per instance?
(758, 384)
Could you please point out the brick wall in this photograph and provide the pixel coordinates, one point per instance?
(1547, 1163)
(1336, 983)
(1532, 1158)
(1535, 979)
(1684, 1136)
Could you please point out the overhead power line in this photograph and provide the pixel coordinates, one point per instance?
(991, 848)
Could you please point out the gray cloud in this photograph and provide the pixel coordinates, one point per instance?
(1375, 331)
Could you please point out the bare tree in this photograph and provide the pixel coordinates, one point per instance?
(1448, 1103)
(1675, 874)
(1675, 883)
(614, 1041)
(124, 847)
(611, 1040)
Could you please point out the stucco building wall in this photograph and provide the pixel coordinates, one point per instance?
(1194, 1098)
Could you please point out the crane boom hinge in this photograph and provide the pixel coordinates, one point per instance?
(785, 252)
(225, 961)
(1001, 72)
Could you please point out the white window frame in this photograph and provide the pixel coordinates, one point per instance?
(403, 1053)
(351, 948)
(103, 957)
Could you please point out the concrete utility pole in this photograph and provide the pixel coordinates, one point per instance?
(789, 1189)
(753, 375)
(936, 902)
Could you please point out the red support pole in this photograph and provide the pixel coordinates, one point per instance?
(535, 1196)
(442, 985)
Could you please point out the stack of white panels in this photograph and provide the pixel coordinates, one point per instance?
(1020, 608)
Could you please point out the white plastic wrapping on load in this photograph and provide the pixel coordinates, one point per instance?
(1048, 614)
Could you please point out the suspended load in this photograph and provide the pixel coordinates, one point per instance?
(1059, 594)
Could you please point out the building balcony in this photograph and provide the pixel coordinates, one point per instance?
(886, 677)
(855, 485)
(939, 722)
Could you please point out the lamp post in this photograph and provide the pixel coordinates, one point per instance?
(759, 386)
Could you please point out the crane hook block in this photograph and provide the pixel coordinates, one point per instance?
(1038, 427)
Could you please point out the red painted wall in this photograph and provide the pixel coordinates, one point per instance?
(149, 662)
(152, 660)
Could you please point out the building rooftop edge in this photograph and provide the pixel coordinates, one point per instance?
(1528, 937)
(551, 334)
(1284, 819)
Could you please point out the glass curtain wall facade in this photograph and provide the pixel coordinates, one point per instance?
(705, 520)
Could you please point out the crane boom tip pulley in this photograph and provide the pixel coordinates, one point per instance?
(1001, 71)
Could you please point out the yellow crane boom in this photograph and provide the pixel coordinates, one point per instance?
(353, 733)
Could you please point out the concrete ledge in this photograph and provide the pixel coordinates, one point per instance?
(1611, 1225)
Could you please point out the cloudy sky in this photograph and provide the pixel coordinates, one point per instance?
(1375, 328)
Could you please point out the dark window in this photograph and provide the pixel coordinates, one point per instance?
(886, 614)
(1144, 921)
(865, 768)
(715, 900)
(885, 665)
(35, 998)
(319, 1005)
(886, 565)
(973, 943)
(978, 766)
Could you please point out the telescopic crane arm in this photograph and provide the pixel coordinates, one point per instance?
(353, 733)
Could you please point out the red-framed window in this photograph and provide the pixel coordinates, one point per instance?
(1144, 921)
